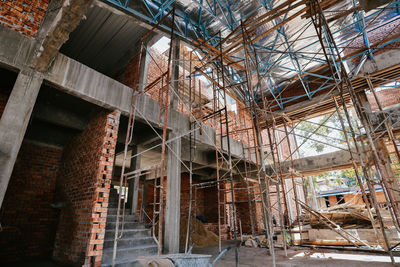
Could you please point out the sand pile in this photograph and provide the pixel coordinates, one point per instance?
(201, 237)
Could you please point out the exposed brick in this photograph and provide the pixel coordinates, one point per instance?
(28, 221)
(387, 97)
(24, 16)
(82, 185)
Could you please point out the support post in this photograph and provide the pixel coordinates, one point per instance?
(313, 193)
(14, 122)
(175, 45)
(143, 68)
(173, 203)
(133, 184)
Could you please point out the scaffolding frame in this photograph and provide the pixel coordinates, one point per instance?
(220, 59)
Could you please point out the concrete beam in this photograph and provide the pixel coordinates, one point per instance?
(381, 62)
(81, 81)
(61, 117)
(67, 19)
(26, 54)
(16, 51)
(14, 122)
(316, 164)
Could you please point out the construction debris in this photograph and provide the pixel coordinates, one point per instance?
(200, 236)
(256, 241)
(345, 215)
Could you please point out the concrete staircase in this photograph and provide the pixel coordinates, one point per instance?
(136, 240)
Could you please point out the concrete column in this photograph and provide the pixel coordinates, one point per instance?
(14, 122)
(313, 193)
(144, 69)
(133, 185)
(173, 205)
(175, 73)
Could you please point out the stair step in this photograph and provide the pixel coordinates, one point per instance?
(123, 263)
(113, 211)
(129, 233)
(125, 254)
(125, 242)
(127, 225)
(114, 204)
(128, 218)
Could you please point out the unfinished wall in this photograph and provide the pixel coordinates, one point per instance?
(185, 189)
(357, 199)
(332, 200)
(211, 204)
(243, 208)
(130, 74)
(200, 209)
(24, 16)
(150, 196)
(29, 222)
(387, 97)
(84, 185)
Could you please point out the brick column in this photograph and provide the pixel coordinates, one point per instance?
(84, 185)
(100, 201)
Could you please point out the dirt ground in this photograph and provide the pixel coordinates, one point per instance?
(298, 256)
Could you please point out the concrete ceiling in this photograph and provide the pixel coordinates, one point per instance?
(57, 117)
(104, 40)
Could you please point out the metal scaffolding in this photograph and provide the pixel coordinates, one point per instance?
(239, 68)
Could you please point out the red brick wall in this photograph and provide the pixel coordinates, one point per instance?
(24, 16)
(29, 223)
(211, 204)
(243, 209)
(386, 98)
(130, 75)
(199, 210)
(157, 67)
(150, 196)
(84, 184)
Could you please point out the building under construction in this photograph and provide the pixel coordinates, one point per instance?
(199, 133)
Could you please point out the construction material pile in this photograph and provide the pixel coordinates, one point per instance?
(200, 236)
(346, 215)
(255, 241)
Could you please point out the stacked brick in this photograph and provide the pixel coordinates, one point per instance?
(28, 221)
(148, 206)
(211, 212)
(24, 16)
(84, 185)
(185, 188)
(130, 75)
(199, 210)
(211, 204)
(158, 65)
(243, 209)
